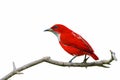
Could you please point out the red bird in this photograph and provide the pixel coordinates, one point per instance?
(72, 42)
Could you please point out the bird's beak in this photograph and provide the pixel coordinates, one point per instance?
(49, 30)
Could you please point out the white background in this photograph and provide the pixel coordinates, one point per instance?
(22, 39)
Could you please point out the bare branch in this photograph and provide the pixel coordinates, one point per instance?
(59, 63)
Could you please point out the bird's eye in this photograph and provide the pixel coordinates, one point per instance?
(55, 27)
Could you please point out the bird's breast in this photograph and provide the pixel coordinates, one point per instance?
(57, 35)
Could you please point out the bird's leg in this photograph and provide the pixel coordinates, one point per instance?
(72, 59)
(85, 59)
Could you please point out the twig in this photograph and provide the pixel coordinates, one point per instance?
(15, 69)
(59, 63)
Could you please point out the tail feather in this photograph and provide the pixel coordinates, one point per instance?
(94, 56)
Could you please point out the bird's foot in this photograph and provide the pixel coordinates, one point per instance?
(85, 60)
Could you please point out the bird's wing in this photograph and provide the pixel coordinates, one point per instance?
(75, 40)
(72, 50)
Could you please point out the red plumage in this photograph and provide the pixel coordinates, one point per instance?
(72, 42)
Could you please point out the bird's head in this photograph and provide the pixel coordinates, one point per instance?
(58, 29)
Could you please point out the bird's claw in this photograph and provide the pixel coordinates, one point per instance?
(70, 61)
(85, 60)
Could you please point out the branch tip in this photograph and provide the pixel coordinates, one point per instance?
(113, 55)
(105, 66)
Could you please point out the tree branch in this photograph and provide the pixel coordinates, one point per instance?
(59, 63)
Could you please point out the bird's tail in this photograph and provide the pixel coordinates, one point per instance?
(94, 56)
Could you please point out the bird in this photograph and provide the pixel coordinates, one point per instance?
(72, 43)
